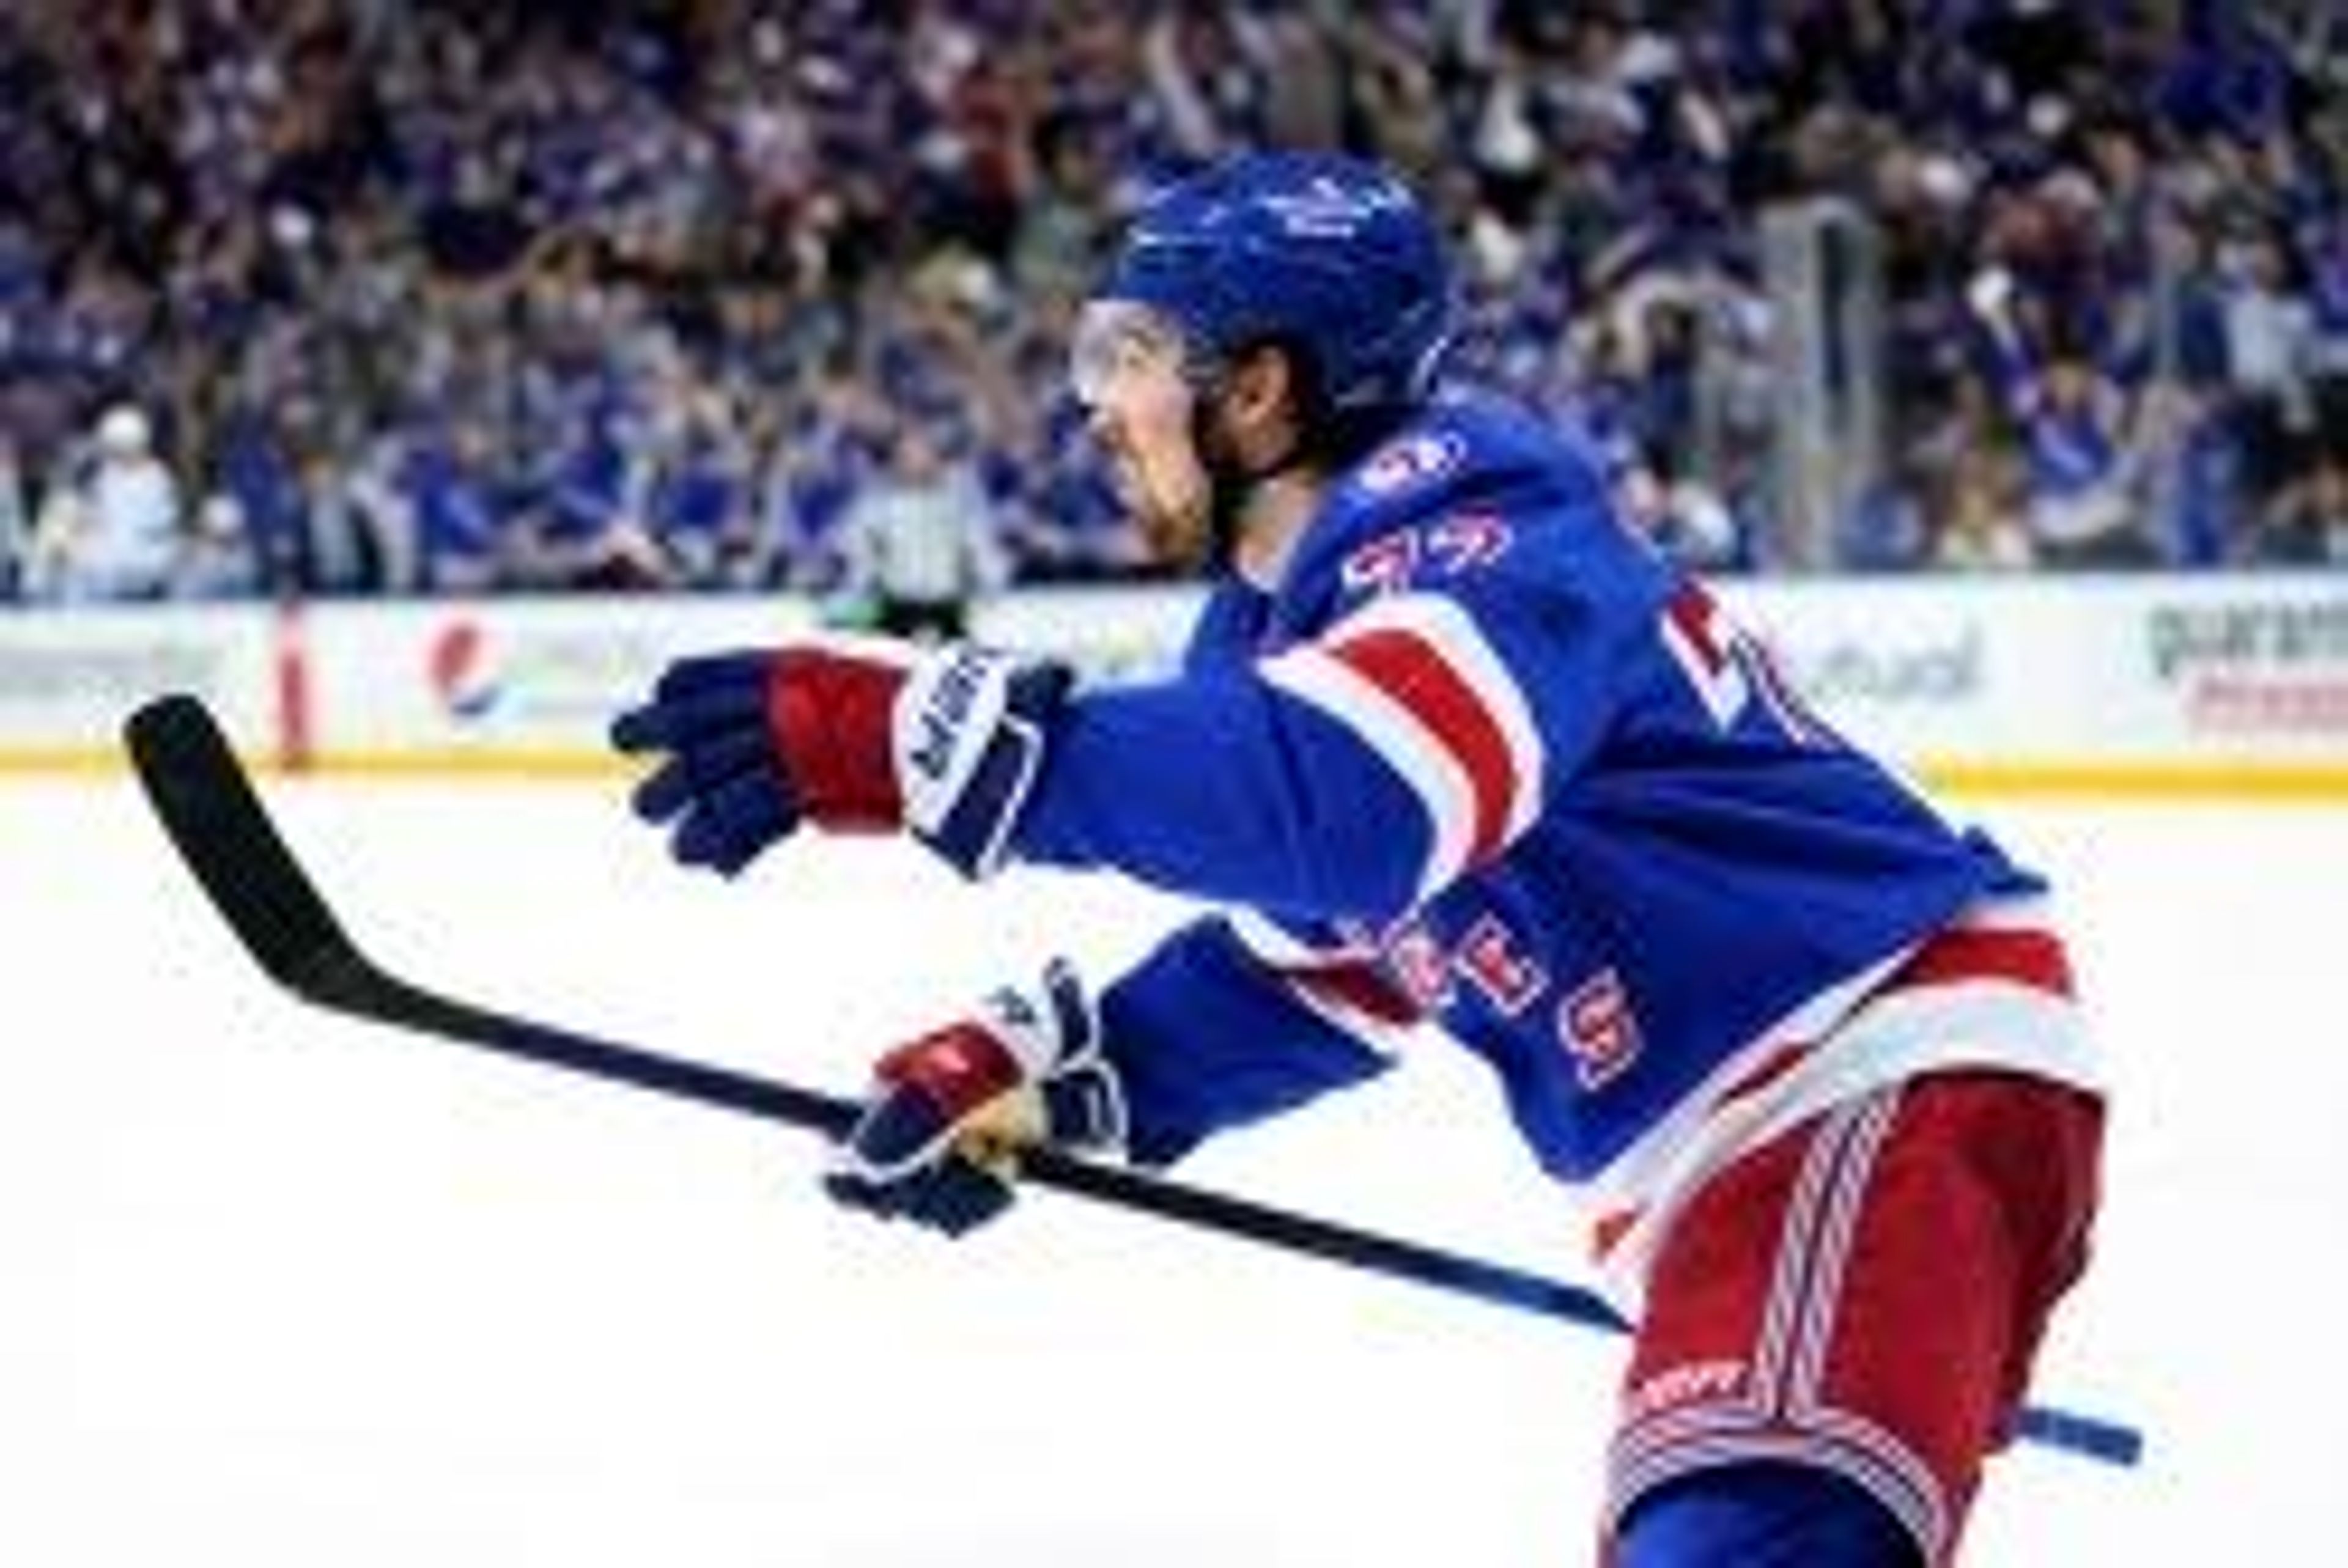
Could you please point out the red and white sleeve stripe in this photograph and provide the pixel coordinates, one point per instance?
(1415, 680)
(1344, 986)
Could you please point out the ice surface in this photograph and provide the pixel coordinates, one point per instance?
(279, 1290)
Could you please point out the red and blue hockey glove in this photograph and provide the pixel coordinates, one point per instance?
(939, 1139)
(865, 738)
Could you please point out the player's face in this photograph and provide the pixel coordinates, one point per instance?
(1130, 370)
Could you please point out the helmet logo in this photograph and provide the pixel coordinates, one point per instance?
(1327, 210)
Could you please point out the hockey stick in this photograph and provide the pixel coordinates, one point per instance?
(208, 808)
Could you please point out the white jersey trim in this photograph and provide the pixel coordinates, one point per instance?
(1988, 1023)
(1291, 956)
(1445, 643)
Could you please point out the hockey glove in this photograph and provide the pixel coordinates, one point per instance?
(863, 739)
(939, 1135)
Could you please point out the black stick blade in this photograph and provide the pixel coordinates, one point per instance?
(200, 791)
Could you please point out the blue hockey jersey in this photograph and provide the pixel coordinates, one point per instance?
(1484, 758)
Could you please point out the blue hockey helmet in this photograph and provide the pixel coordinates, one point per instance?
(1325, 254)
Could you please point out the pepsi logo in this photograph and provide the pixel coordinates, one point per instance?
(462, 670)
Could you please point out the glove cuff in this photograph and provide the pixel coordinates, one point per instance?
(1083, 1108)
(829, 716)
(968, 738)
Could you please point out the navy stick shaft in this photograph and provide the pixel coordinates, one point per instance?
(391, 1000)
(225, 834)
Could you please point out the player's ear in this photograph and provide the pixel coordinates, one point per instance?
(1264, 388)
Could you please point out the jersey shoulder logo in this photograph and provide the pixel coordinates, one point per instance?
(1411, 460)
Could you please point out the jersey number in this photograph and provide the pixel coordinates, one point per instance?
(1728, 669)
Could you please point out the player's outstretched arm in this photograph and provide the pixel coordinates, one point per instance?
(1204, 1035)
(1211, 1032)
(866, 737)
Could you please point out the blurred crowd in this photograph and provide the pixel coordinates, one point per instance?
(364, 296)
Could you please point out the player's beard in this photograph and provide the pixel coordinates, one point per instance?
(1170, 495)
(1191, 500)
(1171, 501)
(1227, 489)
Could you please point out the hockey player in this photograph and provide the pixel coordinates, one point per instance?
(1479, 758)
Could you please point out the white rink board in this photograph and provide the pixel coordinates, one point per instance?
(2217, 684)
(447, 680)
(68, 677)
(285, 1290)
